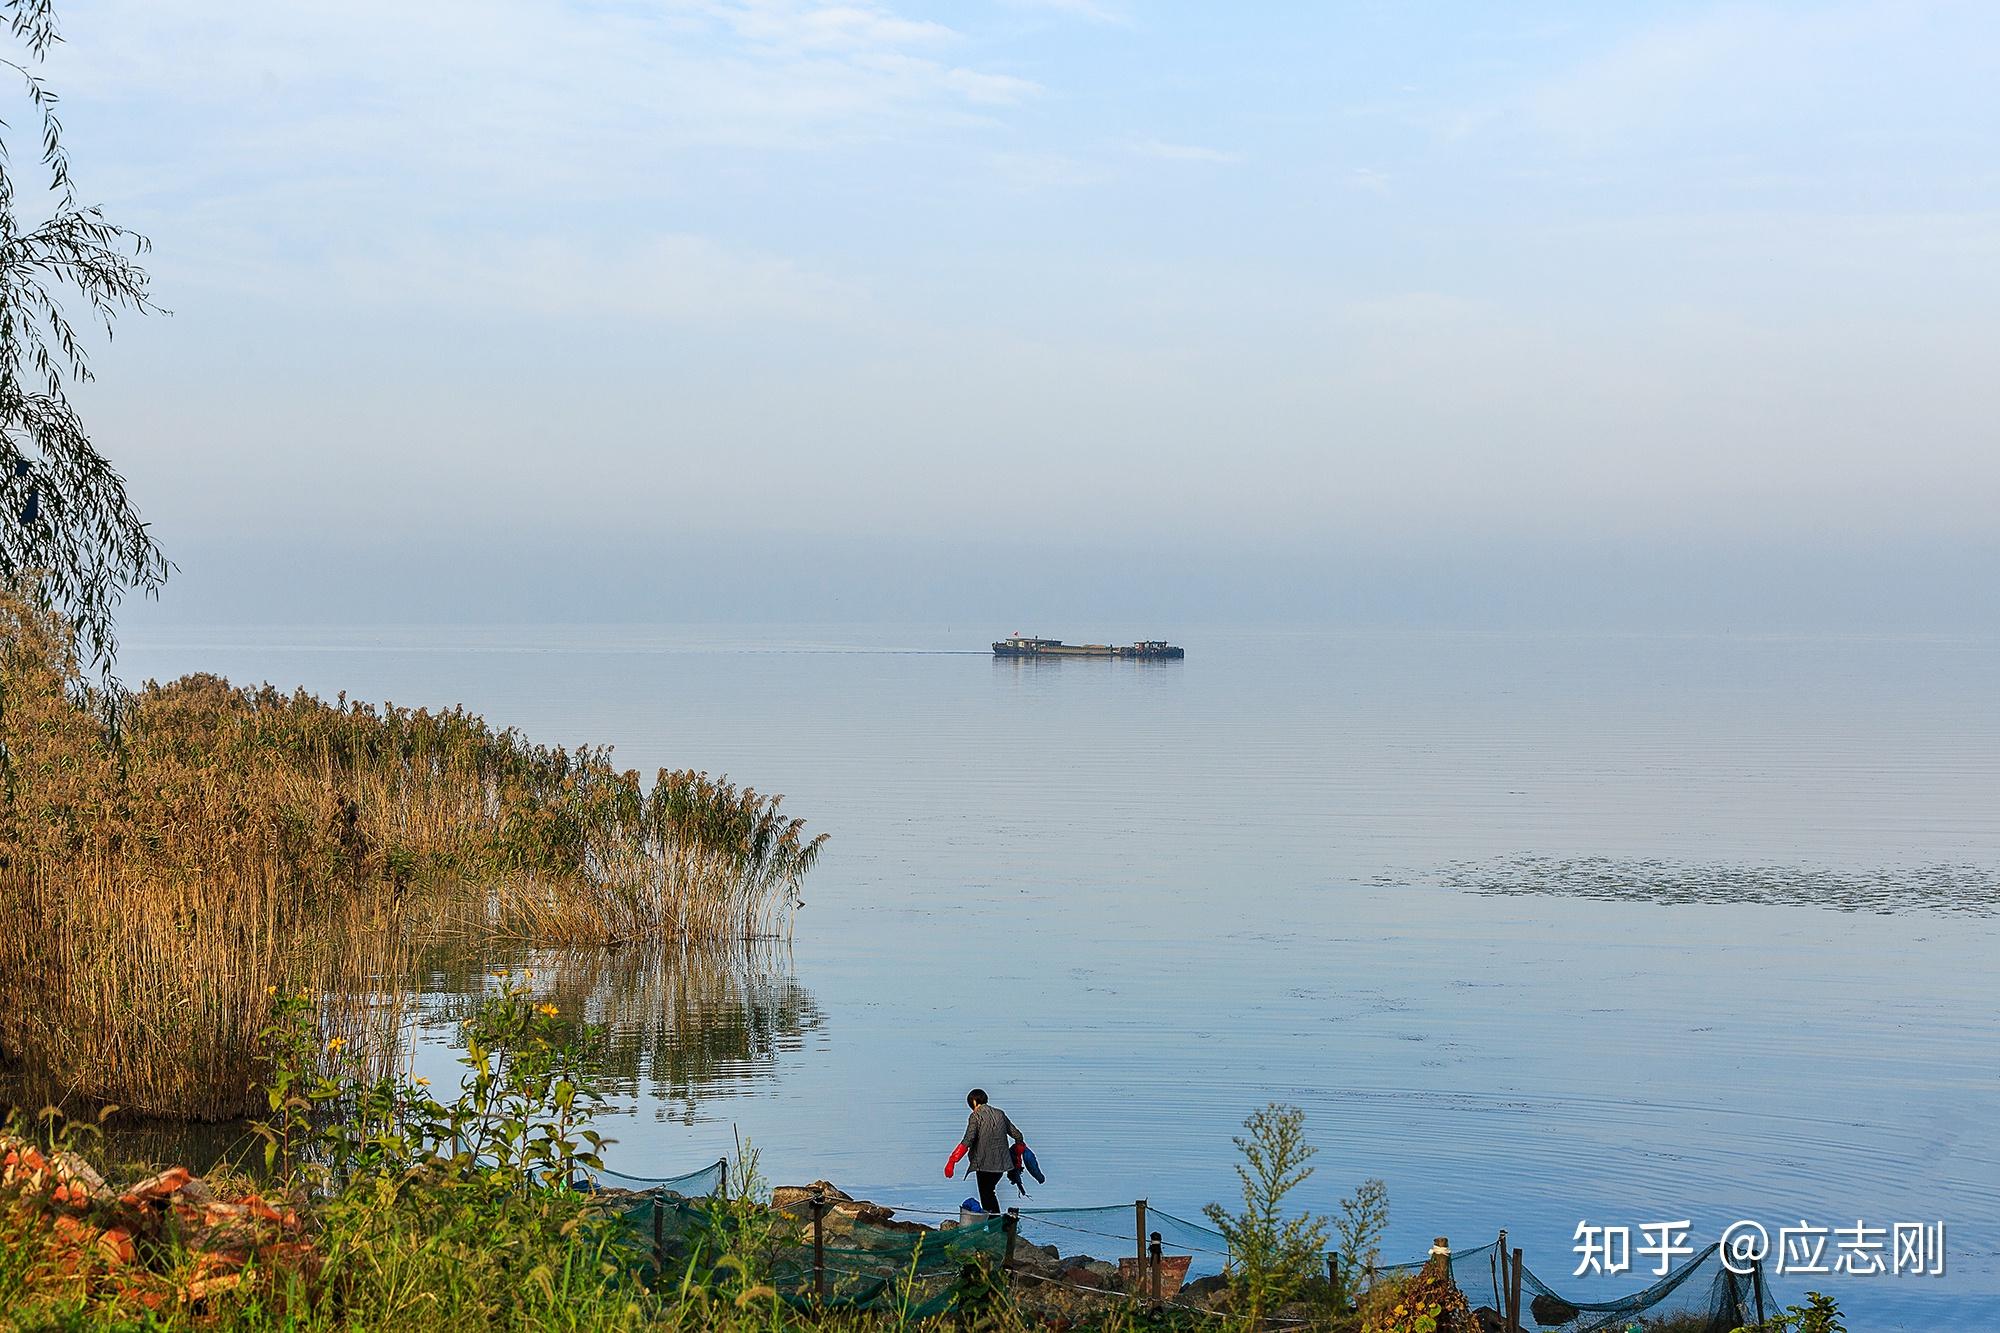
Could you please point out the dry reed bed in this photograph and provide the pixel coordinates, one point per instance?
(171, 857)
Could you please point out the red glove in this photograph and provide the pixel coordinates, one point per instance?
(1020, 1151)
(956, 1153)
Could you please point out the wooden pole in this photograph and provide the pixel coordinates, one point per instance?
(1514, 1294)
(1757, 1289)
(659, 1235)
(1139, 1236)
(1011, 1227)
(1500, 1287)
(819, 1247)
(723, 1185)
(1333, 1277)
(1153, 1260)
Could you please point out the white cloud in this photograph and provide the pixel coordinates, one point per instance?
(1089, 10)
(975, 86)
(1739, 63)
(1040, 171)
(660, 279)
(1181, 152)
(607, 83)
(809, 26)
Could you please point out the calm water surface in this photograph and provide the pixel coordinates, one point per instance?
(1536, 929)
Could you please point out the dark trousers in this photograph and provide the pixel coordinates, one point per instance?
(988, 1182)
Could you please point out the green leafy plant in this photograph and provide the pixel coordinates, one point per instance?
(528, 1097)
(1364, 1216)
(1819, 1314)
(522, 1114)
(1406, 1317)
(736, 1261)
(1273, 1256)
(294, 1087)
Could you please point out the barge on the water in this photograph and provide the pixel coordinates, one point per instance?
(1155, 650)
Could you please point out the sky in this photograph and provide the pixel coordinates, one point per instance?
(1545, 313)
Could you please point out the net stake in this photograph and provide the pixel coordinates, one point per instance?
(819, 1247)
(1514, 1294)
(1153, 1261)
(659, 1235)
(1011, 1227)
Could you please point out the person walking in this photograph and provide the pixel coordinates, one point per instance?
(987, 1131)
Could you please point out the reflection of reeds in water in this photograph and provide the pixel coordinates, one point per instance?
(682, 1020)
(169, 857)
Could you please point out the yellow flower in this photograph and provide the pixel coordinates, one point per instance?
(336, 1043)
(547, 1009)
(270, 990)
(423, 1082)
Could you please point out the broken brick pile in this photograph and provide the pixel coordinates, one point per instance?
(169, 1238)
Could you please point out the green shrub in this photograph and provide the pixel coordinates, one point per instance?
(522, 1114)
(1273, 1256)
(1364, 1216)
(1819, 1314)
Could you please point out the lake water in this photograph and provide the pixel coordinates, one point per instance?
(1536, 929)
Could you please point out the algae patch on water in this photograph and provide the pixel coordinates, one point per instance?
(1936, 887)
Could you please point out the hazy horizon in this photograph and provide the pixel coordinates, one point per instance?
(992, 589)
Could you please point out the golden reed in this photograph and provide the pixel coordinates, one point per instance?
(171, 857)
